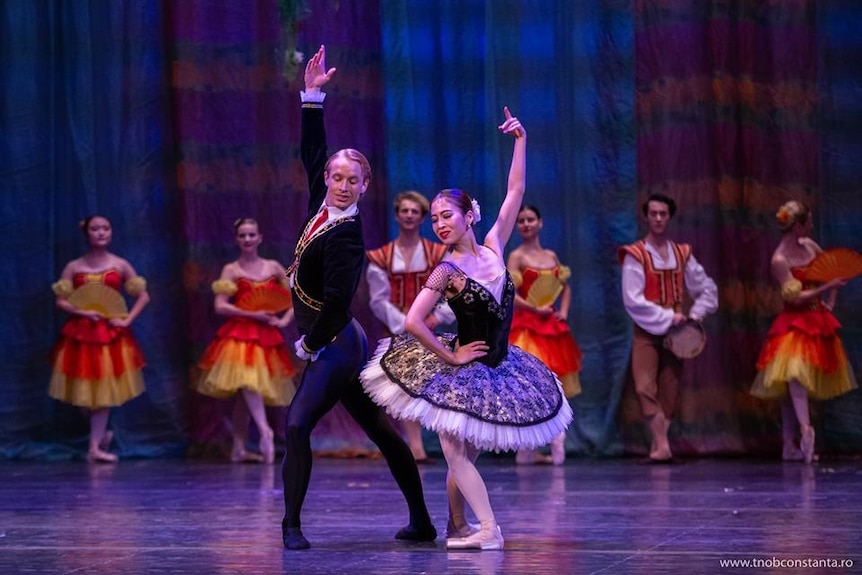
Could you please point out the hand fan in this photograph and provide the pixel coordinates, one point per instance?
(101, 298)
(834, 263)
(273, 299)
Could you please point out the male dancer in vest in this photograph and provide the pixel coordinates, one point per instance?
(656, 274)
(324, 277)
(396, 272)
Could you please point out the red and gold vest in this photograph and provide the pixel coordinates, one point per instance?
(664, 287)
(404, 287)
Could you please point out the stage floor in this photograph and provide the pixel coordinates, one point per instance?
(610, 516)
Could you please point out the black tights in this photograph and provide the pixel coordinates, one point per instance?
(333, 377)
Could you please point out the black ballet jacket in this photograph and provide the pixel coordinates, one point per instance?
(329, 267)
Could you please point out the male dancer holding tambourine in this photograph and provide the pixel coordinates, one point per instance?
(657, 273)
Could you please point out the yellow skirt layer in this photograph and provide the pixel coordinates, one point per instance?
(793, 359)
(120, 384)
(562, 358)
(233, 365)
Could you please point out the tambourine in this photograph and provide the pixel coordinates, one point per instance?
(686, 340)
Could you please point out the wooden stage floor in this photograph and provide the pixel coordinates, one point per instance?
(609, 516)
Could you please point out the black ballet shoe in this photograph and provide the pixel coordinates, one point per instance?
(412, 533)
(294, 540)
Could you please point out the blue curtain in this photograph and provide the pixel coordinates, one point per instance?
(839, 224)
(611, 94)
(96, 93)
(85, 130)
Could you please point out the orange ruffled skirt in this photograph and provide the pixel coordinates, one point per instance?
(549, 339)
(803, 345)
(248, 355)
(96, 365)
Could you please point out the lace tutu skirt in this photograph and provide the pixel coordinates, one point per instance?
(517, 404)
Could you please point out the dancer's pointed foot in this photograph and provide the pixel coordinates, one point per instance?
(96, 455)
(806, 444)
(558, 449)
(294, 540)
(532, 457)
(466, 530)
(792, 453)
(107, 439)
(267, 446)
(240, 455)
(489, 537)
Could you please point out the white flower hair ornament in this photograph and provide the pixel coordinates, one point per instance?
(477, 213)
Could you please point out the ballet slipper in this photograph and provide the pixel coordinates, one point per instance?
(558, 449)
(792, 453)
(96, 455)
(107, 439)
(466, 530)
(267, 446)
(418, 533)
(806, 444)
(293, 539)
(240, 455)
(489, 537)
(531, 457)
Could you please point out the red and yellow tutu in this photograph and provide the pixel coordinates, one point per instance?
(548, 338)
(803, 344)
(248, 354)
(95, 364)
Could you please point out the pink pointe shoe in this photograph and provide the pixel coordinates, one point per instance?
(792, 453)
(558, 449)
(531, 457)
(240, 455)
(461, 532)
(488, 538)
(267, 446)
(806, 444)
(96, 455)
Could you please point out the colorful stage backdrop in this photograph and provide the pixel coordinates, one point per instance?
(175, 118)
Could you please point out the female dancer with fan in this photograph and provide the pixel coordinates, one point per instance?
(97, 363)
(248, 358)
(538, 325)
(802, 355)
(473, 389)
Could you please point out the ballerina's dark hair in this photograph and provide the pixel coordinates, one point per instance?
(460, 198)
(532, 208)
(85, 223)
